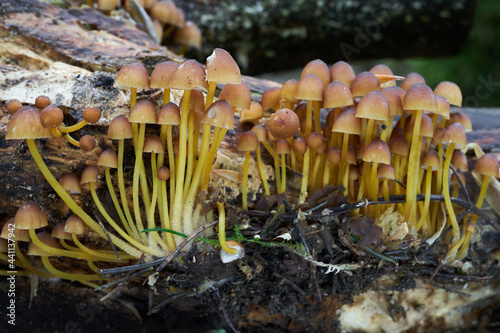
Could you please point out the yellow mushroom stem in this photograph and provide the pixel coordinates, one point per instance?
(413, 166)
(56, 133)
(210, 94)
(71, 277)
(343, 158)
(56, 251)
(190, 155)
(113, 224)
(317, 117)
(99, 255)
(422, 222)
(210, 158)
(277, 169)
(130, 229)
(123, 194)
(309, 113)
(135, 182)
(305, 176)
(164, 218)
(72, 128)
(26, 264)
(70, 139)
(154, 237)
(262, 173)
(468, 234)
(133, 97)
(222, 229)
(283, 173)
(166, 96)
(446, 192)
(438, 188)
(77, 210)
(245, 182)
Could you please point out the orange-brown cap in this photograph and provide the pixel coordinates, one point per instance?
(169, 114)
(108, 159)
(373, 105)
(454, 179)
(133, 75)
(451, 91)
(261, 132)
(343, 72)
(288, 90)
(143, 113)
(89, 174)
(363, 83)
(70, 182)
(462, 118)
(319, 68)
(299, 145)
(282, 147)
(334, 155)
(30, 216)
(353, 172)
(337, 95)
(248, 141)
(9, 230)
(270, 98)
(219, 114)
(443, 107)
(237, 95)
(459, 161)
(163, 174)
(382, 69)
(430, 159)
(153, 144)
(411, 79)
(301, 111)
(377, 151)
(399, 145)
(255, 112)
(162, 73)
(46, 239)
(107, 4)
(426, 129)
(120, 128)
(347, 122)
(74, 225)
(222, 68)
(58, 232)
(51, 116)
(25, 124)
(395, 102)
(315, 141)
(351, 155)
(487, 165)
(420, 97)
(283, 124)
(91, 114)
(437, 138)
(190, 75)
(13, 105)
(41, 102)
(87, 143)
(189, 34)
(164, 11)
(455, 133)
(310, 88)
(386, 171)
(196, 101)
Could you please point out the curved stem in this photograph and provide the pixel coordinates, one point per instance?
(222, 229)
(245, 182)
(262, 173)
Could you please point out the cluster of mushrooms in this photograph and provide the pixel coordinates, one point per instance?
(378, 139)
(163, 20)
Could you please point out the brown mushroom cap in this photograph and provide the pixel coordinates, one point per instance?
(120, 128)
(143, 112)
(314, 141)
(451, 91)
(386, 171)
(153, 144)
(373, 105)
(430, 159)
(222, 68)
(364, 83)
(133, 75)
(190, 75)
(48, 240)
(87, 143)
(247, 142)
(299, 145)
(219, 114)
(269, 98)
(283, 124)
(91, 114)
(164, 11)
(377, 151)
(9, 230)
(51, 116)
(462, 118)
(319, 68)
(381, 69)
(70, 182)
(455, 133)
(395, 102)
(261, 132)
(25, 124)
(288, 90)
(343, 72)
(487, 165)
(334, 155)
(459, 161)
(237, 95)
(411, 79)
(163, 174)
(426, 129)
(399, 145)
(337, 95)
(189, 34)
(30, 216)
(443, 107)
(108, 158)
(420, 97)
(13, 105)
(162, 73)
(347, 122)
(310, 88)
(41, 102)
(169, 114)
(58, 232)
(74, 225)
(253, 113)
(89, 174)
(282, 147)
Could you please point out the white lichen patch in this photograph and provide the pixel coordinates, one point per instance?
(395, 311)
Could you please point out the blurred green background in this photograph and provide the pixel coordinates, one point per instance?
(476, 69)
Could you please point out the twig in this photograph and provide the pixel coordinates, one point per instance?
(184, 243)
(228, 321)
(170, 299)
(134, 267)
(462, 185)
(299, 230)
(107, 236)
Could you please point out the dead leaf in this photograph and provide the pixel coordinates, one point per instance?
(334, 195)
(366, 229)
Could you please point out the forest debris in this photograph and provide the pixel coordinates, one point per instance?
(365, 228)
